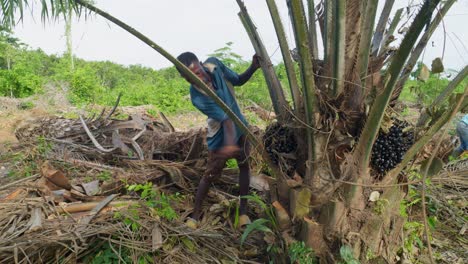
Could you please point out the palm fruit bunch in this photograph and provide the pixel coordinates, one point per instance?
(280, 144)
(389, 148)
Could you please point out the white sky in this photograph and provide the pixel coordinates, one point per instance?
(201, 26)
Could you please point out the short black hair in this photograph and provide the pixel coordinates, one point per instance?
(187, 58)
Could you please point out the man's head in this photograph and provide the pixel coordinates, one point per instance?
(191, 61)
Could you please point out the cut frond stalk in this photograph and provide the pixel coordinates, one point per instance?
(328, 38)
(385, 42)
(339, 46)
(312, 29)
(288, 62)
(379, 30)
(365, 40)
(280, 105)
(307, 76)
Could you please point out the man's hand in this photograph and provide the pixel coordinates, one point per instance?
(245, 76)
(229, 151)
(256, 61)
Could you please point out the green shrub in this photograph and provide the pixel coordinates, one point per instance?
(84, 86)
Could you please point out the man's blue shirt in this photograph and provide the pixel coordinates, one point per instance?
(220, 74)
(465, 119)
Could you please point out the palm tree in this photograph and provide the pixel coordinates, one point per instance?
(68, 34)
(339, 107)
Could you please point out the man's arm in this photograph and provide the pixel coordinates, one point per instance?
(233, 77)
(245, 76)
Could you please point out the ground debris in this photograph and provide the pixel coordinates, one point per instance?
(42, 223)
(448, 198)
(80, 199)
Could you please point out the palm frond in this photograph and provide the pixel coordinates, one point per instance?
(387, 37)
(419, 48)
(443, 95)
(12, 10)
(372, 126)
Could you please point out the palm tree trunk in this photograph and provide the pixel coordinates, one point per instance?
(8, 60)
(68, 35)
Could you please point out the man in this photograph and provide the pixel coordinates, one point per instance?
(225, 140)
(462, 132)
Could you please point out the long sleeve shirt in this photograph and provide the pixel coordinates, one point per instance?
(220, 75)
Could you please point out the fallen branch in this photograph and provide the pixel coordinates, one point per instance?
(35, 222)
(167, 122)
(97, 209)
(93, 139)
(33, 177)
(114, 108)
(83, 207)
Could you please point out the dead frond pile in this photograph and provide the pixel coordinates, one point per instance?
(117, 187)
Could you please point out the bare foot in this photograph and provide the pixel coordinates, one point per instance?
(191, 223)
(243, 221)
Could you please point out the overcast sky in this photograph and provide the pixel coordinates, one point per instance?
(202, 27)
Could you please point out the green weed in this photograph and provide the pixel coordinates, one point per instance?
(257, 225)
(379, 206)
(104, 176)
(43, 146)
(130, 217)
(301, 254)
(231, 164)
(113, 254)
(347, 256)
(266, 208)
(158, 200)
